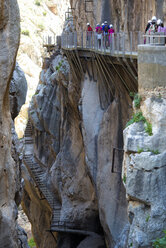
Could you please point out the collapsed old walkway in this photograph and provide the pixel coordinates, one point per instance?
(36, 171)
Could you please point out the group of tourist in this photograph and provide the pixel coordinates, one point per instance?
(154, 26)
(101, 31)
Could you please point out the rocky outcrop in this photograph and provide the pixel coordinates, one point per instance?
(17, 91)
(144, 166)
(9, 170)
(77, 133)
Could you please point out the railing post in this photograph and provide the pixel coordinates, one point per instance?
(139, 38)
(113, 44)
(123, 43)
(102, 42)
(131, 42)
(117, 43)
(86, 38)
(82, 39)
(76, 39)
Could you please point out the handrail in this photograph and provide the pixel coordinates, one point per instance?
(117, 44)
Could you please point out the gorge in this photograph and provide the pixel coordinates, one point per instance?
(87, 179)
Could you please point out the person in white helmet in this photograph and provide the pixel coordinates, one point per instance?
(153, 26)
(89, 34)
(148, 26)
(160, 27)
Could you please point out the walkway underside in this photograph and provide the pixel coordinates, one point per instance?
(118, 73)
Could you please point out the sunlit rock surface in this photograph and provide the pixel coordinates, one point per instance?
(145, 172)
(9, 169)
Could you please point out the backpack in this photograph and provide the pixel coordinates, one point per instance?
(106, 29)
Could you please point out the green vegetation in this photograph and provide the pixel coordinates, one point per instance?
(160, 242)
(41, 26)
(137, 99)
(139, 150)
(148, 128)
(155, 152)
(44, 13)
(147, 218)
(137, 117)
(124, 178)
(37, 2)
(31, 243)
(59, 65)
(25, 32)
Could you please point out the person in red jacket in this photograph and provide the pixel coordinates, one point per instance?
(89, 35)
(89, 28)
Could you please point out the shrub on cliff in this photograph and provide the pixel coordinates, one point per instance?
(160, 243)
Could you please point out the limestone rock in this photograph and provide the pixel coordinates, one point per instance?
(17, 91)
(9, 171)
(124, 15)
(92, 241)
(145, 172)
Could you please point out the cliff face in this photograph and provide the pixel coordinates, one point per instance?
(77, 125)
(124, 15)
(9, 172)
(74, 140)
(144, 161)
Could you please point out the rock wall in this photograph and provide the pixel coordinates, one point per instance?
(9, 170)
(17, 91)
(144, 161)
(77, 125)
(77, 132)
(124, 15)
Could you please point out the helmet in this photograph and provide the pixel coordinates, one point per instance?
(149, 21)
(111, 25)
(102, 24)
(98, 25)
(88, 24)
(159, 21)
(154, 18)
(105, 22)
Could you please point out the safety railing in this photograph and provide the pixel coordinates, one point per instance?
(49, 39)
(157, 39)
(116, 43)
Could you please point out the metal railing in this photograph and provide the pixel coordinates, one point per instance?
(157, 39)
(115, 43)
(49, 39)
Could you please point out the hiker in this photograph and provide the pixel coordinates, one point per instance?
(147, 29)
(111, 31)
(97, 27)
(89, 34)
(160, 26)
(153, 26)
(99, 35)
(148, 26)
(106, 28)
